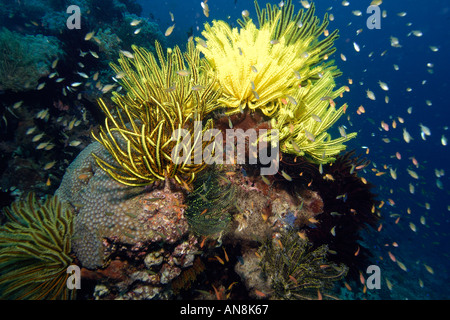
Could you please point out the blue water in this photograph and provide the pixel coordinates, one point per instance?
(429, 244)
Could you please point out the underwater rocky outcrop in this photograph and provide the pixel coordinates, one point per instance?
(145, 225)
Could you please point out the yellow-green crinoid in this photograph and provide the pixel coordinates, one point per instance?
(35, 244)
(164, 96)
(303, 121)
(256, 66)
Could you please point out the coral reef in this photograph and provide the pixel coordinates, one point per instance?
(105, 208)
(348, 205)
(24, 59)
(35, 246)
(147, 227)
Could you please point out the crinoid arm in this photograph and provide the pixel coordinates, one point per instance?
(256, 66)
(165, 96)
(35, 247)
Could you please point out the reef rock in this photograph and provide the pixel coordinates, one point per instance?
(113, 218)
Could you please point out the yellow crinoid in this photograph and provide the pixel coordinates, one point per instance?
(257, 66)
(163, 99)
(303, 121)
(35, 250)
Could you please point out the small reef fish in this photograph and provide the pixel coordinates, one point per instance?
(444, 140)
(402, 266)
(429, 269)
(94, 54)
(202, 42)
(342, 196)
(135, 22)
(37, 137)
(82, 74)
(17, 104)
(127, 54)
(333, 231)
(292, 100)
(310, 136)
(74, 143)
(183, 72)
(169, 30)
(406, 136)
(108, 87)
(197, 88)
(89, 35)
(342, 131)
(30, 130)
(392, 257)
(316, 118)
(120, 75)
(434, 48)
(383, 86)
(42, 145)
(425, 130)
(40, 86)
(393, 173)
(395, 43)
(370, 94)
(55, 63)
(389, 284)
(42, 114)
(286, 176)
(412, 173)
(422, 220)
(49, 165)
(171, 88)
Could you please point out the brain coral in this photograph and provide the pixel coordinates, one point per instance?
(106, 209)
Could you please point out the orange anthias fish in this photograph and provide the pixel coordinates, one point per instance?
(391, 256)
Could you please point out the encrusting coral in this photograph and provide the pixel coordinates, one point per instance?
(106, 210)
(35, 245)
